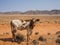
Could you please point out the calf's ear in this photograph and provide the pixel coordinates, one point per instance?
(37, 20)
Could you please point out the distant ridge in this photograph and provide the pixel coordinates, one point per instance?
(33, 12)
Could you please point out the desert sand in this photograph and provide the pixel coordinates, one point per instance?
(46, 27)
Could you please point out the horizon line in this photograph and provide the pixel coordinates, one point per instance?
(29, 10)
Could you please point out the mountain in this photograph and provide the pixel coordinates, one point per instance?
(33, 12)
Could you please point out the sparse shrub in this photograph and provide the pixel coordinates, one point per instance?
(58, 32)
(19, 37)
(35, 42)
(58, 36)
(48, 22)
(58, 41)
(59, 23)
(41, 38)
(40, 22)
(3, 24)
(48, 33)
(37, 33)
(55, 21)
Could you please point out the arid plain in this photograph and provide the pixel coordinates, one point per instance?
(45, 32)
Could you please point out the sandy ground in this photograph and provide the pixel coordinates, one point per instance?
(43, 28)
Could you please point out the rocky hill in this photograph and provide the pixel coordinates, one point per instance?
(33, 12)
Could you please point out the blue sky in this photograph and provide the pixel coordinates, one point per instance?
(24, 5)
